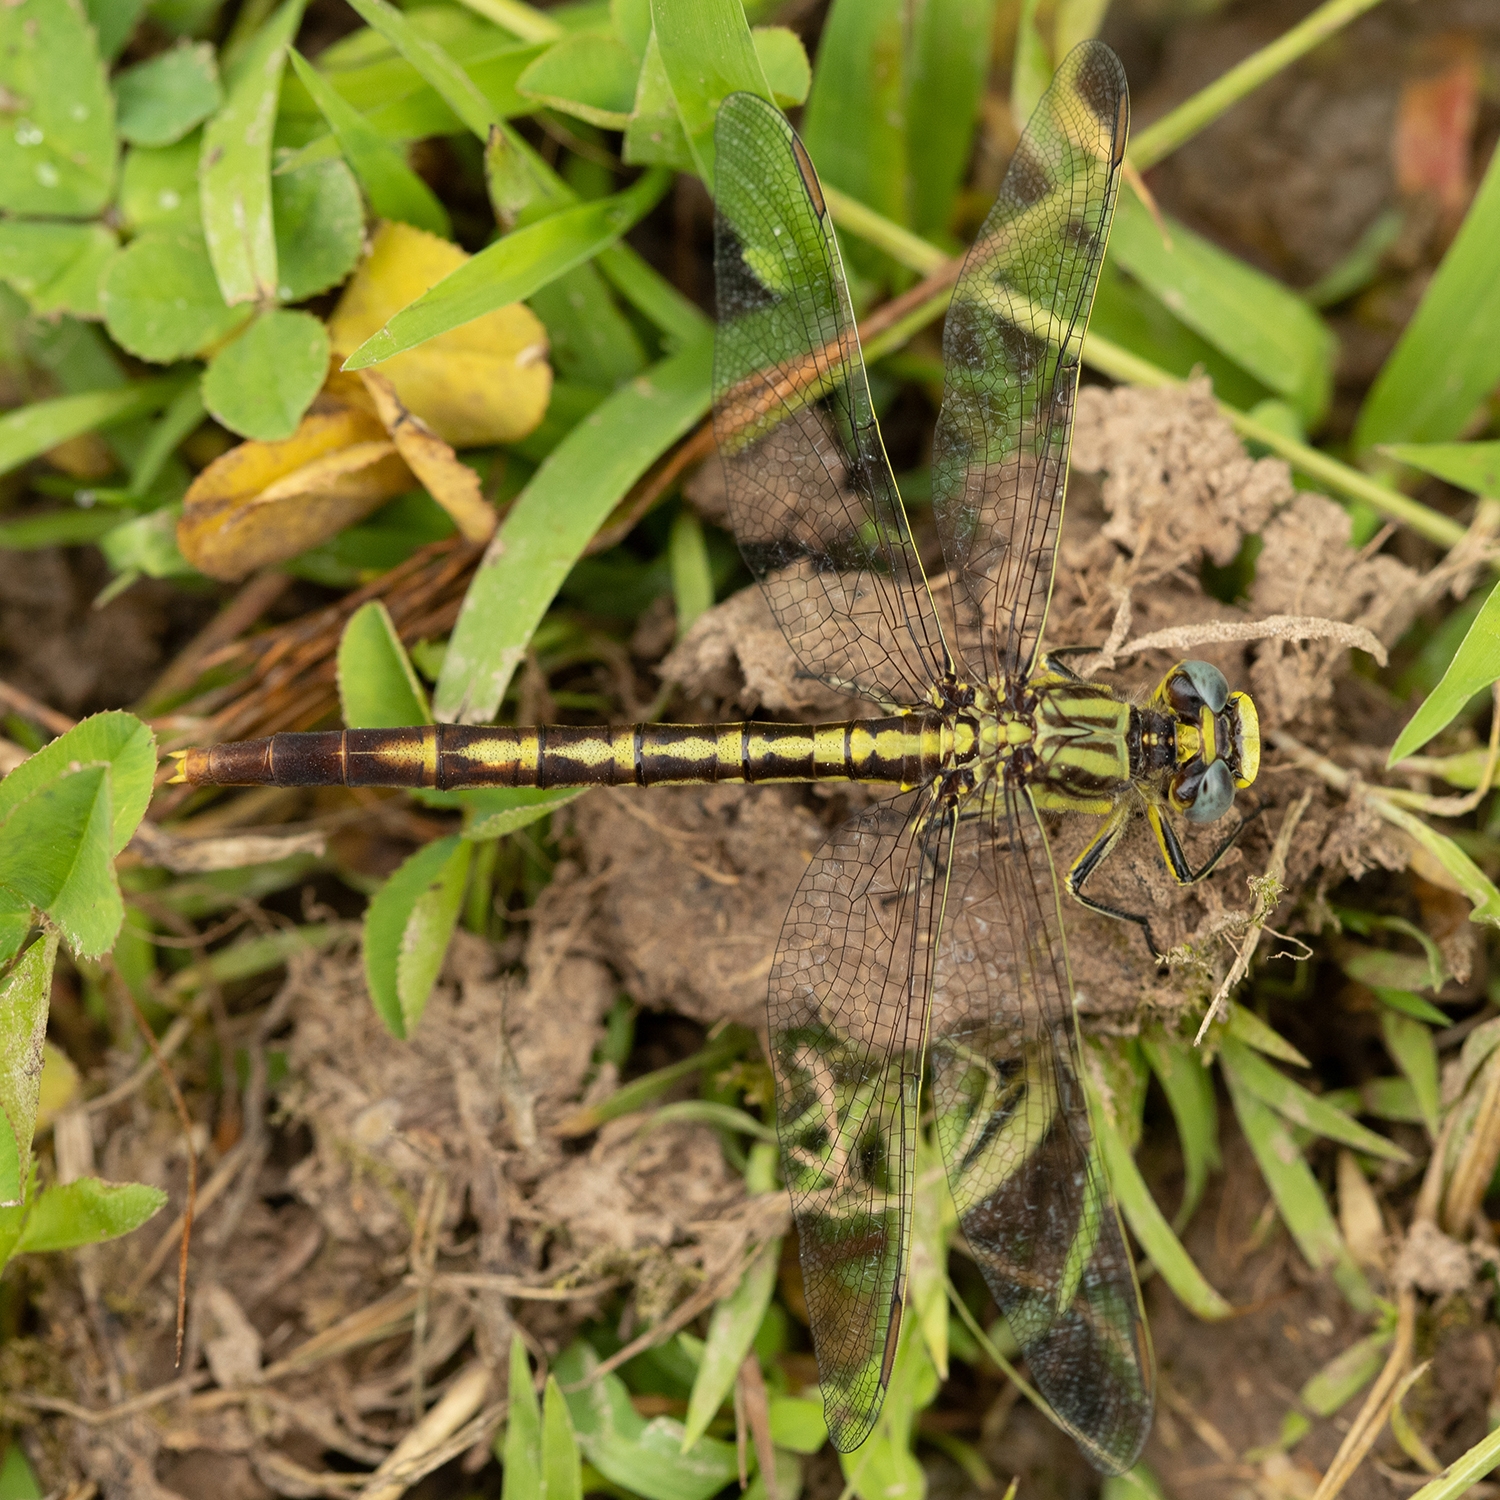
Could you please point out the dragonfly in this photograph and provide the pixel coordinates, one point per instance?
(921, 974)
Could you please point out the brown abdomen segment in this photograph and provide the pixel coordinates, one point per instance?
(906, 750)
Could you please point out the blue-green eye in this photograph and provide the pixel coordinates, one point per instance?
(1206, 798)
(1194, 683)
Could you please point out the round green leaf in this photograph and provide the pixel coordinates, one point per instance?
(320, 225)
(161, 300)
(86, 1211)
(160, 184)
(260, 385)
(160, 100)
(59, 155)
(55, 267)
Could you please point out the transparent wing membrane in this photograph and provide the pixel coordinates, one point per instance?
(1011, 348)
(1013, 1124)
(848, 1012)
(811, 496)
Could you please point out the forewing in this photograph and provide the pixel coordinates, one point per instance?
(811, 495)
(1011, 347)
(848, 1004)
(1013, 1123)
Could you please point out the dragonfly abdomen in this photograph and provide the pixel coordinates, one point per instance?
(905, 750)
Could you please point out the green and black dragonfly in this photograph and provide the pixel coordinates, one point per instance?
(923, 954)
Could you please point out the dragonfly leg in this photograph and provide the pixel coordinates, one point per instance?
(1174, 856)
(1100, 847)
(1054, 659)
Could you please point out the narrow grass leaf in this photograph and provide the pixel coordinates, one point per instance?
(160, 100)
(1475, 665)
(710, 1112)
(182, 416)
(522, 1453)
(1247, 1027)
(707, 54)
(855, 124)
(640, 1092)
(255, 956)
(1189, 1088)
(1448, 356)
(18, 1479)
(427, 931)
(1345, 1375)
(261, 384)
(59, 156)
(692, 571)
(652, 295)
(1471, 466)
(378, 686)
(797, 1423)
(1474, 884)
(1150, 1226)
(553, 520)
(391, 913)
(54, 853)
(56, 267)
(25, 997)
(29, 431)
(493, 812)
(1299, 1199)
(562, 1463)
(1412, 1005)
(1301, 1107)
(1464, 1472)
(87, 1211)
(1412, 1050)
(1257, 322)
(949, 58)
(116, 739)
(731, 1331)
(644, 1457)
(457, 90)
(512, 268)
(393, 189)
(234, 175)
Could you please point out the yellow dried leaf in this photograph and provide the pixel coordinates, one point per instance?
(452, 483)
(262, 503)
(485, 382)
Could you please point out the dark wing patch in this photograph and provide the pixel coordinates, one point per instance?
(1012, 348)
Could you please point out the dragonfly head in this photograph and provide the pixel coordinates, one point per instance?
(1218, 740)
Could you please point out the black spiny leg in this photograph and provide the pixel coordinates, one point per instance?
(1174, 856)
(1100, 848)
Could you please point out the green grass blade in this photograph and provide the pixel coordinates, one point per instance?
(1345, 1375)
(855, 123)
(949, 61)
(1257, 322)
(1299, 1199)
(522, 1453)
(1475, 665)
(234, 177)
(731, 1331)
(1412, 1050)
(378, 686)
(552, 521)
(1472, 881)
(1247, 1027)
(1150, 1227)
(456, 89)
(1297, 1105)
(1189, 1088)
(31, 430)
(1463, 1472)
(708, 54)
(512, 268)
(1168, 133)
(394, 190)
(1448, 356)
(692, 572)
(1471, 466)
(562, 1462)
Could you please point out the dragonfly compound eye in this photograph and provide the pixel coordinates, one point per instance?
(1244, 737)
(1204, 793)
(1191, 685)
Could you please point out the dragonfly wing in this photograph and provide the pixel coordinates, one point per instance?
(850, 990)
(1011, 348)
(811, 495)
(1013, 1122)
